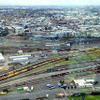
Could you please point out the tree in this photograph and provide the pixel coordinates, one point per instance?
(67, 59)
(30, 50)
(25, 45)
(62, 82)
(25, 27)
(46, 28)
(64, 87)
(96, 82)
(5, 90)
(2, 52)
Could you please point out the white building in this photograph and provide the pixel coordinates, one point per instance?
(20, 51)
(89, 80)
(1, 58)
(21, 56)
(18, 30)
(20, 59)
(80, 82)
(84, 83)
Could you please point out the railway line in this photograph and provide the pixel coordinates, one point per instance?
(13, 79)
(37, 79)
(17, 72)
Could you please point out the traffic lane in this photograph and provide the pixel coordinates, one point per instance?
(53, 93)
(32, 96)
(18, 96)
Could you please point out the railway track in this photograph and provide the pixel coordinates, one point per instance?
(31, 82)
(31, 67)
(37, 79)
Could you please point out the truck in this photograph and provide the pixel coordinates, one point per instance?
(60, 95)
(3, 93)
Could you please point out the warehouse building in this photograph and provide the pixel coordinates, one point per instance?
(21, 56)
(1, 58)
(20, 59)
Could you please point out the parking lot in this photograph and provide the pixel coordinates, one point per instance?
(44, 86)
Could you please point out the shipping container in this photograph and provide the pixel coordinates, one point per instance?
(25, 88)
(20, 89)
(50, 69)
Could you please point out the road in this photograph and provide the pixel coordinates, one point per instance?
(33, 96)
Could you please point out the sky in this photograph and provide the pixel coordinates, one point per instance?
(50, 2)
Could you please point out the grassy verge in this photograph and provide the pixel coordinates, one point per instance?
(88, 97)
(74, 98)
(92, 97)
(87, 57)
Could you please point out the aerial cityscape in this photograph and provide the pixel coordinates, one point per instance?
(50, 50)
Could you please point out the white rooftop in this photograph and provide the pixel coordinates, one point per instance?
(1, 56)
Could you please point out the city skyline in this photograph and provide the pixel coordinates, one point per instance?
(50, 2)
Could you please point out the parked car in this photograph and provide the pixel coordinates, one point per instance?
(50, 86)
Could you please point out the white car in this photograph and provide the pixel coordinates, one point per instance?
(47, 95)
(48, 85)
(29, 91)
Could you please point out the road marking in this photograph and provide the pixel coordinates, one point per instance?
(65, 92)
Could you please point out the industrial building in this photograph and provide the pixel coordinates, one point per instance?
(21, 56)
(20, 59)
(84, 83)
(1, 58)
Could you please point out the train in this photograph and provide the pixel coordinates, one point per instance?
(17, 72)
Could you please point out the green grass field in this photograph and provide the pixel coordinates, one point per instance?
(88, 97)
(74, 98)
(88, 57)
(92, 97)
